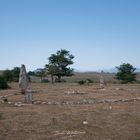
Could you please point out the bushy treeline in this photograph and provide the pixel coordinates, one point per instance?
(58, 67)
(9, 76)
(3, 83)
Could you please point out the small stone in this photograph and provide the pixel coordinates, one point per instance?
(38, 102)
(49, 103)
(85, 122)
(1, 97)
(17, 105)
(110, 107)
(43, 103)
(9, 103)
(67, 103)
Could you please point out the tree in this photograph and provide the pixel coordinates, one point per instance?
(15, 73)
(31, 73)
(126, 73)
(7, 75)
(3, 83)
(58, 64)
(51, 69)
(40, 73)
(11, 75)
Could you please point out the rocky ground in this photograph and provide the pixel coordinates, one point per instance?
(71, 112)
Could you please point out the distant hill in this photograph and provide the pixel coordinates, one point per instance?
(111, 70)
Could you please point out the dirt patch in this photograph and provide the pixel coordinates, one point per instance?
(109, 114)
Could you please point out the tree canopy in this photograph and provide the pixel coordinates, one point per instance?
(40, 73)
(126, 73)
(58, 64)
(11, 75)
(3, 83)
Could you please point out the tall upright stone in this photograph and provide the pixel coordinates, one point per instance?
(24, 84)
(23, 79)
(102, 83)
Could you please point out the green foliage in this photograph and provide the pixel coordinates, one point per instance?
(86, 81)
(58, 64)
(11, 75)
(81, 82)
(7, 75)
(3, 83)
(31, 73)
(40, 73)
(126, 73)
(89, 81)
(15, 74)
(45, 81)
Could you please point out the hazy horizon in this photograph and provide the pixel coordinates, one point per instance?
(101, 34)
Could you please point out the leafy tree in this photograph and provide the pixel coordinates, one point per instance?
(40, 73)
(15, 73)
(7, 75)
(58, 64)
(126, 73)
(51, 70)
(3, 83)
(31, 73)
(11, 75)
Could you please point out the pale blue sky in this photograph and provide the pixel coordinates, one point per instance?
(101, 34)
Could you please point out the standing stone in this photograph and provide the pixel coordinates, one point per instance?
(23, 79)
(24, 83)
(102, 83)
(28, 96)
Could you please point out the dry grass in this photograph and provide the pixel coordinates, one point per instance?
(106, 121)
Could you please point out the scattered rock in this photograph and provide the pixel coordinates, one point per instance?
(17, 104)
(119, 89)
(85, 122)
(43, 103)
(1, 97)
(74, 93)
(37, 102)
(9, 103)
(110, 107)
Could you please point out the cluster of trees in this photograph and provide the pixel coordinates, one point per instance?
(9, 76)
(58, 66)
(3, 83)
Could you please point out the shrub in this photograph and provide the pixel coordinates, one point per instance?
(3, 83)
(81, 82)
(45, 81)
(89, 81)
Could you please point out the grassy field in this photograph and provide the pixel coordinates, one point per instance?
(72, 118)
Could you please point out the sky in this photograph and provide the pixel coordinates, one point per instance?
(101, 34)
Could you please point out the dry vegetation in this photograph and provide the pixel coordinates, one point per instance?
(105, 121)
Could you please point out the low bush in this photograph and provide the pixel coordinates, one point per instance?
(89, 81)
(81, 82)
(3, 83)
(45, 81)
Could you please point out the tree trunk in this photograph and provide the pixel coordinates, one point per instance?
(41, 78)
(59, 78)
(52, 80)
